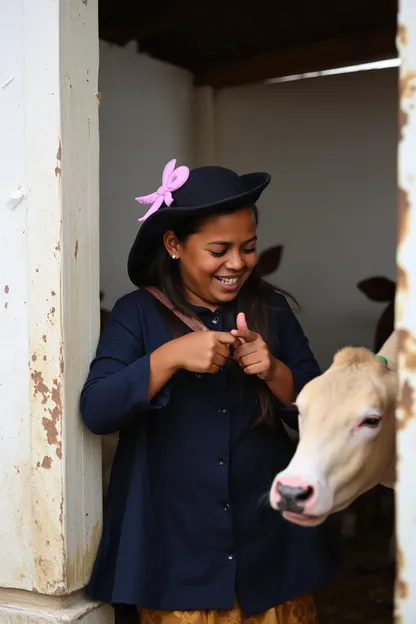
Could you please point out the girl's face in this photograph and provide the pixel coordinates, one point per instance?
(215, 262)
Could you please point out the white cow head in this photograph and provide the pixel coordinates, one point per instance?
(347, 438)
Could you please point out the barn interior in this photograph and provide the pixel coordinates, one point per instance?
(229, 48)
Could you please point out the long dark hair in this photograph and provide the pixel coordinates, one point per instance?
(163, 272)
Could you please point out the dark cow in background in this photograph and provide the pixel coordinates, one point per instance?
(381, 290)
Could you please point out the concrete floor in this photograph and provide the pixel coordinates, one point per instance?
(363, 593)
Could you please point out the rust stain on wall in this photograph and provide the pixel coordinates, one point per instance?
(51, 423)
(98, 99)
(402, 281)
(39, 386)
(76, 250)
(46, 462)
(55, 413)
(401, 585)
(6, 289)
(405, 402)
(407, 350)
(407, 86)
(61, 359)
(404, 213)
(402, 35)
(58, 246)
(58, 169)
(51, 314)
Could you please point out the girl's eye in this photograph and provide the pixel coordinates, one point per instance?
(218, 254)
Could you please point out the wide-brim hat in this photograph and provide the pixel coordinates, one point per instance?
(185, 193)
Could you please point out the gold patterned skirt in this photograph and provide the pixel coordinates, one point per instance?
(300, 610)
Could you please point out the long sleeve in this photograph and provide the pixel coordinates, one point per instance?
(115, 391)
(295, 352)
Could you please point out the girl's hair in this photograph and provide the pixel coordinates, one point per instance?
(163, 273)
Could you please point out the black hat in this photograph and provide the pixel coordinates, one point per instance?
(186, 193)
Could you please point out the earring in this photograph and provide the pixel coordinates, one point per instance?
(173, 257)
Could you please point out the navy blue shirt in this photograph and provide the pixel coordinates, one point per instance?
(187, 524)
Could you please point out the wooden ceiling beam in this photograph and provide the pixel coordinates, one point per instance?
(319, 56)
(186, 17)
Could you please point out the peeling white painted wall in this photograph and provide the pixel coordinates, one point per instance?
(15, 473)
(50, 477)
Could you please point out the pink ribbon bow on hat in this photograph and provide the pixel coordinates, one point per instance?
(172, 180)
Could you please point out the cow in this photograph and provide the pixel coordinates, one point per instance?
(347, 436)
(376, 505)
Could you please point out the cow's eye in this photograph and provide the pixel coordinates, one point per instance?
(371, 421)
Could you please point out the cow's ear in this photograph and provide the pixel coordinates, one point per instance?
(269, 260)
(378, 288)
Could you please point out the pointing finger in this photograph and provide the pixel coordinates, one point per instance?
(225, 338)
(246, 334)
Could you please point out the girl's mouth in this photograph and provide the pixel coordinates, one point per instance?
(229, 284)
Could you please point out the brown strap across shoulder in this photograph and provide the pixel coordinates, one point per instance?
(189, 321)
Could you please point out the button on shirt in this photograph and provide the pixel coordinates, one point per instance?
(187, 524)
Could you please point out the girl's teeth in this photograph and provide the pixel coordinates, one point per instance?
(232, 280)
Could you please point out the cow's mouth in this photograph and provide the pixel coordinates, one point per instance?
(304, 519)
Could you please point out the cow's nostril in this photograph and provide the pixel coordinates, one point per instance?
(305, 494)
(294, 497)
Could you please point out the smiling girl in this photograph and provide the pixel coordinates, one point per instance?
(196, 370)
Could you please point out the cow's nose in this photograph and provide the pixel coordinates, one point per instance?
(294, 497)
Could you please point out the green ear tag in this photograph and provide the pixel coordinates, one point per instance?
(383, 359)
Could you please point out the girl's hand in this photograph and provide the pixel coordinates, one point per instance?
(201, 351)
(252, 354)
